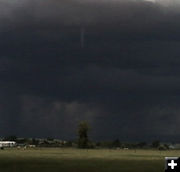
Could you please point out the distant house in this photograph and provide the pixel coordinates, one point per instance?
(174, 146)
(7, 144)
(31, 146)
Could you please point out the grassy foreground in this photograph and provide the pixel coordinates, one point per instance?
(75, 160)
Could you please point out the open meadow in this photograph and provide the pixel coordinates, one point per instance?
(77, 160)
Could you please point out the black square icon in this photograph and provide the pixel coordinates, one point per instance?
(172, 164)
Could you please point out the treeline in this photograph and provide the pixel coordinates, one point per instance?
(84, 142)
(115, 144)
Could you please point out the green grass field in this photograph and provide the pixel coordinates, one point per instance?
(75, 160)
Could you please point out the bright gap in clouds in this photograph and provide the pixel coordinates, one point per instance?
(151, 0)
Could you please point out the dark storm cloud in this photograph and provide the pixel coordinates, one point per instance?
(124, 79)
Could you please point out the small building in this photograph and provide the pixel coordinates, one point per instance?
(174, 146)
(7, 144)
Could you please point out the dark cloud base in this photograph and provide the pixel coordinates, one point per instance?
(124, 79)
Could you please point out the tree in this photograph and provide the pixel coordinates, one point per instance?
(83, 129)
(166, 146)
(141, 144)
(116, 143)
(155, 144)
(10, 138)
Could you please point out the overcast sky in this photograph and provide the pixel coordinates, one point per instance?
(115, 63)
